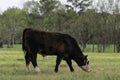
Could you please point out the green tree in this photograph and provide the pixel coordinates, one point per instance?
(48, 6)
(79, 5)
(32, 7)
(116, 26)
(49, 11)
(42, 14)
(13, 21)
(1, 39)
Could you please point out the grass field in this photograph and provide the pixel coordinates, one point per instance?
(105, 66)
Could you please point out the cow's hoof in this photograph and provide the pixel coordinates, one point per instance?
(72, 70)
(56, 70)
(37, 69)
(28, 69)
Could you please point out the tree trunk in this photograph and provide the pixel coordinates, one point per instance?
(99, 48)
(12, 41)
(8, 43)
(114, 48)
(103, 48)
(93, 47)
(1, 43)
(118, 48)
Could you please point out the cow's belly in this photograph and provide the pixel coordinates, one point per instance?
(45, 52)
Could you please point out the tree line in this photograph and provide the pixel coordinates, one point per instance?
(86, 23)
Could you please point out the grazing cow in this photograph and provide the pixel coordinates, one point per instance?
(47, 43)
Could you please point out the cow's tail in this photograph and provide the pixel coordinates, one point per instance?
(23, 40)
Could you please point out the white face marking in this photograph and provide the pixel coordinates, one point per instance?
(37, 69)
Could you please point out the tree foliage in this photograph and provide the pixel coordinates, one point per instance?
(12, 21)
(96, 26)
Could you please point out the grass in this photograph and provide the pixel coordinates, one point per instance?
(17, 47)
(108, 48)
(12, 67)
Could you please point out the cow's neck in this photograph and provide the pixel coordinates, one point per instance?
(78, 58)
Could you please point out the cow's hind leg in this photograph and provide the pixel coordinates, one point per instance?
(27, 60)
(58, 60)
(34, 62)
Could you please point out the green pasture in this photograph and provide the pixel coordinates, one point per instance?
(105, 66)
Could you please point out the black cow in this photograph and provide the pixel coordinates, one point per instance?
(47, 43)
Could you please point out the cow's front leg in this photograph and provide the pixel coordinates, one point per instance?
(58, 60)
(69, 64)
(34, 62)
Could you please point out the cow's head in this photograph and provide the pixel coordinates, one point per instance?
(84, 64)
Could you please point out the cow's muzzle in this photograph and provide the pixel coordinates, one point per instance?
(86, 68)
